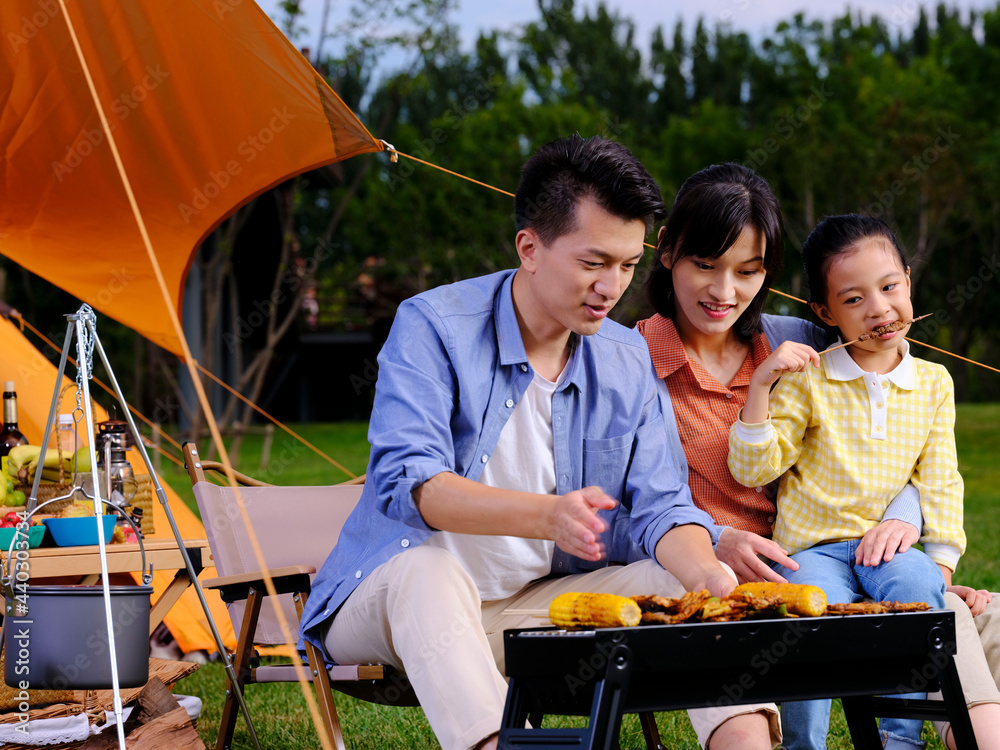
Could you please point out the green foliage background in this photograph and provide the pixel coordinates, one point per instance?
(850, 115)
(854, 114)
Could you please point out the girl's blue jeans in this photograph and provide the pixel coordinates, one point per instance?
(908, 577)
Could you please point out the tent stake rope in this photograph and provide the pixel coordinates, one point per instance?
(277, 423)
(152, 425)
(300, 672)
(394, 154)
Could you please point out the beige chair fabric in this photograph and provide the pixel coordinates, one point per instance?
(293, 526)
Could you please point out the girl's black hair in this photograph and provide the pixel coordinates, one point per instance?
(709, 214)
(839, 234)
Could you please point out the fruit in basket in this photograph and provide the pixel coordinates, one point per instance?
(80, 461)
(19, 457)
(49, 459)
(6, 475)
(53, 475)
(76, 510)
(16, 499)
(24, 462)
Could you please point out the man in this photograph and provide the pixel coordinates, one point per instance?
(510, 419)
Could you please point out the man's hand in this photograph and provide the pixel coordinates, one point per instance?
(884, 541)
(977, 600)
(718, 582)
(740, 549)
(575, 526)
(686, 553)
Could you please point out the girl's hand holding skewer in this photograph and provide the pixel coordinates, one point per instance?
(789, 357)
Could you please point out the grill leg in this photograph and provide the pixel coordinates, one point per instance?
(609, 698)
(861, 722)
(650, 731)
(958, 712)
(602, 730)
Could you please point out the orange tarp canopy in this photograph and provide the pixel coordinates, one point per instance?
(209, 105)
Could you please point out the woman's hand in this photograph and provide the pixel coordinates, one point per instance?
(740, 549)
(977, 600)
(884, 541)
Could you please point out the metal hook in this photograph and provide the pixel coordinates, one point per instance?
(393, 154)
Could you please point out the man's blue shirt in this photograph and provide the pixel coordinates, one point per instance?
(450, 373)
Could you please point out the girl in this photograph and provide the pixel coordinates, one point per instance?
(846, 435)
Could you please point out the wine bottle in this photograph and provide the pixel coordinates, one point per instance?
(10, 435)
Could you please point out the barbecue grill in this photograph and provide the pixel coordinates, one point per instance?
(607, 672)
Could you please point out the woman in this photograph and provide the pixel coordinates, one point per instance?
(717, 254)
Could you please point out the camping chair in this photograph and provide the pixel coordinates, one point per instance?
(276, 514)
(296, 528)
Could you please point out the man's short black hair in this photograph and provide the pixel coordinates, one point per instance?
(561, 173)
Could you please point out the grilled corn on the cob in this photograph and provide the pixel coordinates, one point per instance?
(574, 610)
(800, 599)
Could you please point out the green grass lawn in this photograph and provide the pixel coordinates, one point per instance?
(280, 713)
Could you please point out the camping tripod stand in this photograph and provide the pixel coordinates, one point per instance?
(84, 324)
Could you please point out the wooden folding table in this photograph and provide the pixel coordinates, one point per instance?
(85, 564)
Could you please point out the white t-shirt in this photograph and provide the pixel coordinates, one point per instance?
(523, 461)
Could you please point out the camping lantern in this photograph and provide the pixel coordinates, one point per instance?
(113, 440)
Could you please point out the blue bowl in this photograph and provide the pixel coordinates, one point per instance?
(79, 531)
(35, 534)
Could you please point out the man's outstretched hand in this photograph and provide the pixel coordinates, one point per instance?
(575, 526)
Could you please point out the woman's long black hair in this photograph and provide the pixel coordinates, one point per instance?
(711, 210)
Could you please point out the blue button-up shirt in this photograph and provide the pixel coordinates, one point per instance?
(450, 374)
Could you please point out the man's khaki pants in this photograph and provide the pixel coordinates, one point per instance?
(978, 657)
(421, 613)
